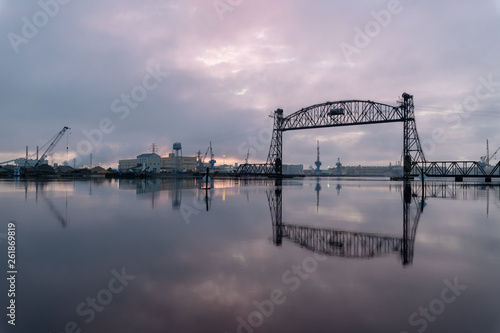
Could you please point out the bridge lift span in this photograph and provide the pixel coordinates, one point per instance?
(343, 113)
(358, 112)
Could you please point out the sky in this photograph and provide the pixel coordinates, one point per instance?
(125, 74)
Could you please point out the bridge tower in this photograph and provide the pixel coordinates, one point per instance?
(274, 158)
(344, 113)
(412, 150)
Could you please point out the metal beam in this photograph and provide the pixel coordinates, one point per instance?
(455, 169)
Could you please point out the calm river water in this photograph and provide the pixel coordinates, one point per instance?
(311, 255)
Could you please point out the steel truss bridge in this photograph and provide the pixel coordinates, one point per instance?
(459, 169)
(348, 244)
(358, 112)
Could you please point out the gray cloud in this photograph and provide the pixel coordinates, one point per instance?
(226, 76)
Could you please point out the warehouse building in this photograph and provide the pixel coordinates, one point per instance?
(154, 161)
(149, 162)
(180, 163)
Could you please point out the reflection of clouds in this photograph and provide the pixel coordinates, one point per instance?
(223, 290)
(202, 277)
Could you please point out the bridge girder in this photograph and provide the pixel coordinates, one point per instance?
(342, 113)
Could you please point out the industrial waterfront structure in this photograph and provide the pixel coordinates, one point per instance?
(154, 163)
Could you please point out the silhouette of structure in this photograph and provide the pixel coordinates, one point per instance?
(349, 244)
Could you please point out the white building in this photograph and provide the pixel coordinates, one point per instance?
(126, 165)
(292, 169)
(22, 162)
(172, 163)
(149, 162)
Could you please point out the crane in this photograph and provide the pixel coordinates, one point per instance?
(486, 159)
(212, 161)
(8, 161)
(491, 157)
(205, 156)
(52, 145)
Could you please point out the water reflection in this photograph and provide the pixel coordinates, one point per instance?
(217, 267)
(343, 243)
(174, 186)
(41, 189)
(363, 245)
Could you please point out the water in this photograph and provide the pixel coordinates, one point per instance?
(166, 256)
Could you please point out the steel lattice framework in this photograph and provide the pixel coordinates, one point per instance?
(342, 243)
(343, 113)
(347, 244)
(458, 169)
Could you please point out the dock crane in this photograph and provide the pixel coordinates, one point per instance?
(52, 145)
(486, 159)
(53, 142)
(6, 162)
(212, 161)
(491, 157)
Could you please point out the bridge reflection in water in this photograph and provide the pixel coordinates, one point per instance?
(350, 244)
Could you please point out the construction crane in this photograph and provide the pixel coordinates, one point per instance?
(486, 159)
(212, 161)
(8, 161)
(491, 157)
(52, 145)
(205, 156)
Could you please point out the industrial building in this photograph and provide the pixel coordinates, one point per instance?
(166, 164)
(180, 163)
(292, 169)
(370, 171)
(152, 162)
(149, 162)
(125, 165)
(29, 163)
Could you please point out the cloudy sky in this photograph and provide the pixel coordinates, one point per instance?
(124, 74)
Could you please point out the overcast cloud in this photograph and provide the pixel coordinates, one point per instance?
(221, 67)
